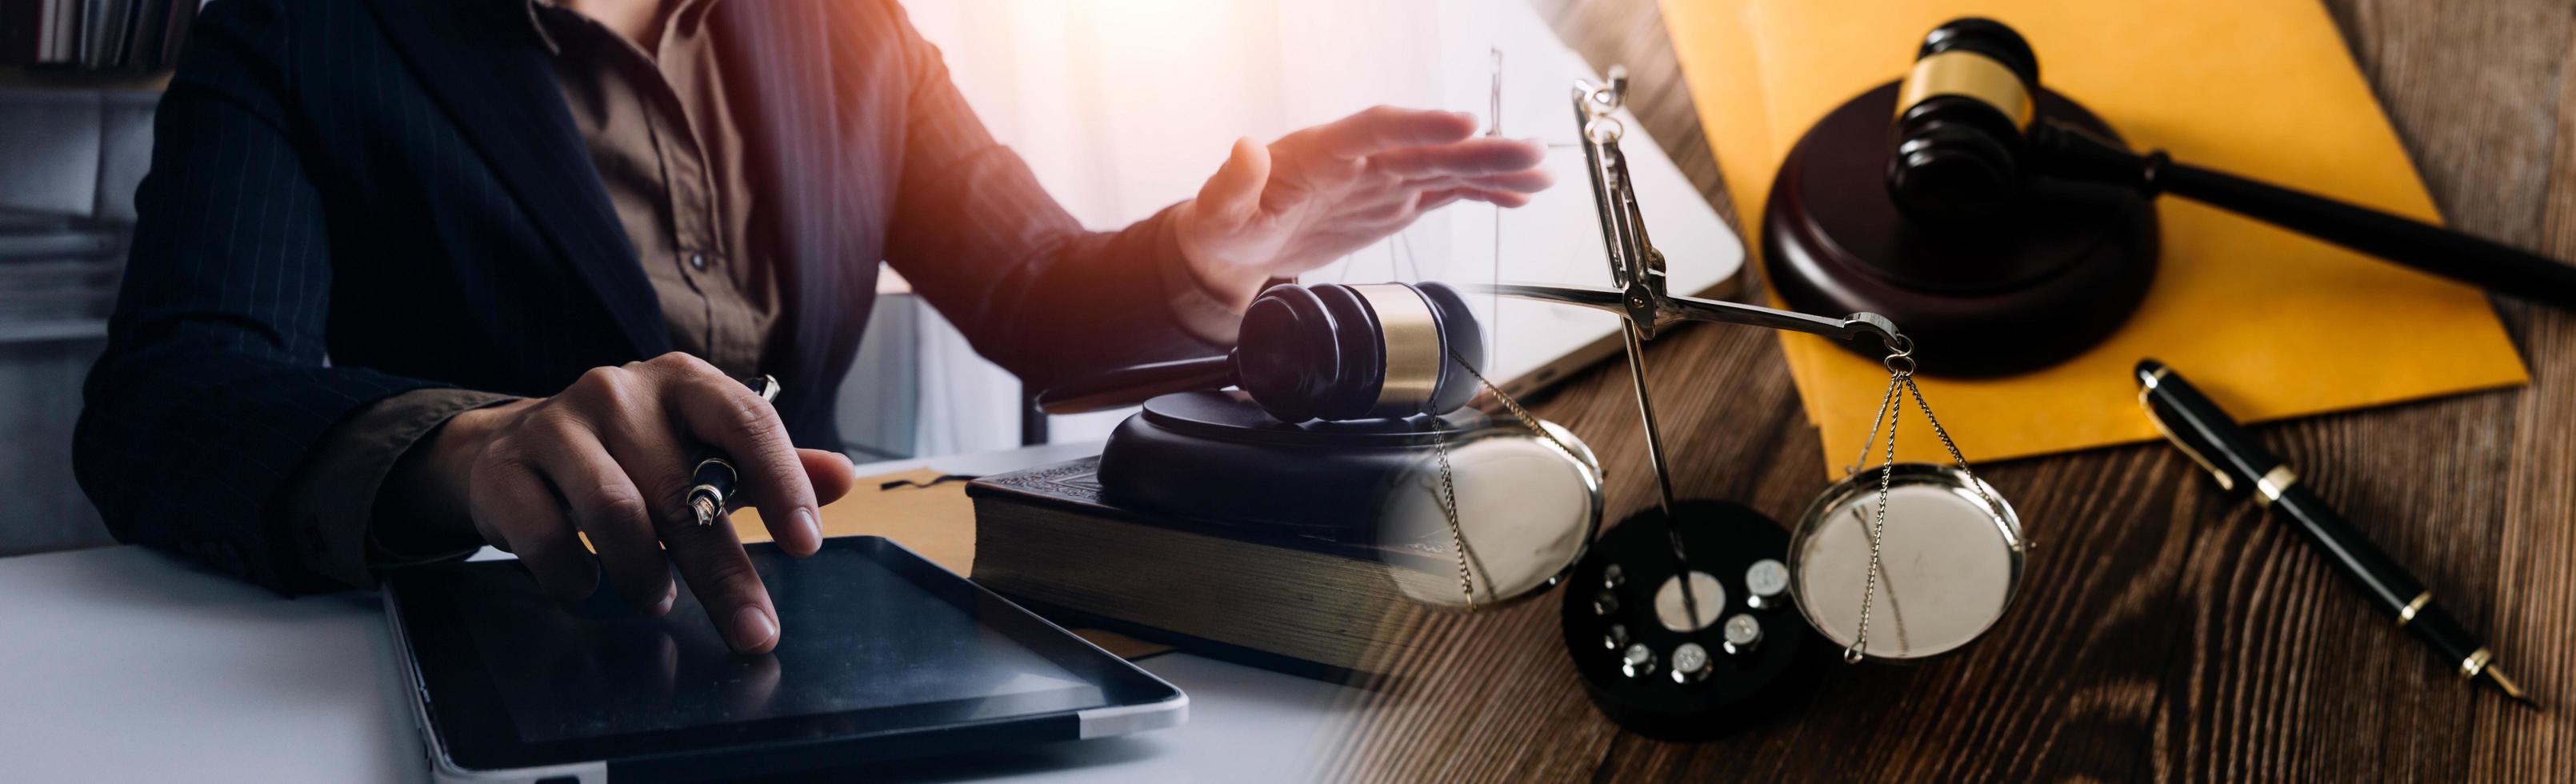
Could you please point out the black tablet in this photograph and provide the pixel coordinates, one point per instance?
(883, 655)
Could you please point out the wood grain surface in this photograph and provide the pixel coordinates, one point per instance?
(2164, 631)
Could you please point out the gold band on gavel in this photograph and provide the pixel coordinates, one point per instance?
(1965, 73)
(1412, 345)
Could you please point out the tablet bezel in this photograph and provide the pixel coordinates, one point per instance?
(471, 730)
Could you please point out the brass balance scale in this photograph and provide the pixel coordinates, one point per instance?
(1696, 617)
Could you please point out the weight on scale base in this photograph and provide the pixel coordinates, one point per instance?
(1740, 682)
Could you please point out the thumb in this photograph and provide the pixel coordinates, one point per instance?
(1235, 192)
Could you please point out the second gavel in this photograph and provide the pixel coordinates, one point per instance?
(2007, 202)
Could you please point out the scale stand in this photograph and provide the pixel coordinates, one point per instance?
(1687, 634)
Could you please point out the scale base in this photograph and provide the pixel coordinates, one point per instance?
(1724, 540)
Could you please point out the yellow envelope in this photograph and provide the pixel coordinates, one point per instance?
(2269, 323)
(913, 508)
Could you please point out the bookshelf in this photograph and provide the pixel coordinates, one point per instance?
(20, 77)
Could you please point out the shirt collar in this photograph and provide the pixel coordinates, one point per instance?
(537, 21)
(690, 15)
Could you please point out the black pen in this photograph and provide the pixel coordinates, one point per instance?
(711, 484)
(2212, 439)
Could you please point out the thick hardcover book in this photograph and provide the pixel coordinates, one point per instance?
(1283, 601)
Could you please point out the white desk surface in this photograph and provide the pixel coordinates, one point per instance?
(125, 664)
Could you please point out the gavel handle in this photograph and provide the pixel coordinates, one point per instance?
(1130, 386)
(2070, 153)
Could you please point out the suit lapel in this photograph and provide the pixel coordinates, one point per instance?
(779, 53)
(483, 63)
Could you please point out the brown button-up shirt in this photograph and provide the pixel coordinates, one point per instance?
(663, 134)
(663, 137)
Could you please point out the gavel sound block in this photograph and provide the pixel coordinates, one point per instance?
(1980, 296)
(2009, 229)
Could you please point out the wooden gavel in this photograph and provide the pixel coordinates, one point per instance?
(1327, 351)
(1967, 139)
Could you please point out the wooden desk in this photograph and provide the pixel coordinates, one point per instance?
(2165, 631)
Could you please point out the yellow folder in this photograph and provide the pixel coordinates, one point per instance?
(2269, 323)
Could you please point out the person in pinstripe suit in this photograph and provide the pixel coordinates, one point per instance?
(413, 276)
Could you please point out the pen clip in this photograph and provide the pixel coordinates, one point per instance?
(2225, 482)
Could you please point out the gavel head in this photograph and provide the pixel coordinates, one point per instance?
(1335, 352)
(1956, 152)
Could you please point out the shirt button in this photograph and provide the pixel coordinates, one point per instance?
(698, 261)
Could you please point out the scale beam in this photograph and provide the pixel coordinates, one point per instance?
(1668, 310)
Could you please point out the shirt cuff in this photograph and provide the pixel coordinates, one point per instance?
(1202, 312)
(333, 503)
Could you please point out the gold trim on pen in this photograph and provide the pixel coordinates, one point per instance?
(2511, 689)
(2274, 482)
(2406, 614)
(2224, 481)
(2469, 667)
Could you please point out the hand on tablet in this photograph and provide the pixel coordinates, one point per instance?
(609, 458)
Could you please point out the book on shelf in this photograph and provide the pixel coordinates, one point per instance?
(26, 31)
(94, 35)
(56, 244)
(57, 282)
(1301, 604)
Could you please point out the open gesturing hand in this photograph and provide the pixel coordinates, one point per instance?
(1319, 193)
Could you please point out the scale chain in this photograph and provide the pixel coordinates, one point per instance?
(1891, 409)
(1447, 499)
(1878, 530)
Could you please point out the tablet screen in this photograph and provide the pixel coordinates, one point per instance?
(874, 640)
(605, 669)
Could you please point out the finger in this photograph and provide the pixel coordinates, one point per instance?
(1235, 192)
(638, 431)
(511, 498)
(1385, 127)
(830, 472)
(722, 412)
(721, 576)
(1432, 200)
(1523, 181)
(1471, 158)
(607, 506)
(626, 410)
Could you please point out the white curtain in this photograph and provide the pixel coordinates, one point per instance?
(1125, 106)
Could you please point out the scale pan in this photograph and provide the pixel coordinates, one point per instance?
(1947, 569)
(1527, 509)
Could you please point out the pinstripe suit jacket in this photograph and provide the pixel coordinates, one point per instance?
(350, 199)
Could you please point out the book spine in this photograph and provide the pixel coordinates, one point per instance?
(20, 41)
(129, 24)
(120, 28)
(183, 14)
(62, 20)
(1308, 606)
(93, 13)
